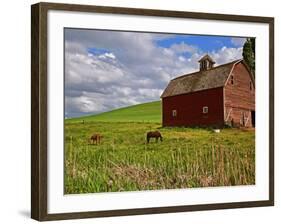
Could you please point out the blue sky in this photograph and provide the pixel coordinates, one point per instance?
(105, 70)
(98, 51)
(205, 43)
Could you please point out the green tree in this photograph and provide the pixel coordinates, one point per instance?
(249, 53)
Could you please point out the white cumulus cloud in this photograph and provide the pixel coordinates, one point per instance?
(133, 69)
(238, 41)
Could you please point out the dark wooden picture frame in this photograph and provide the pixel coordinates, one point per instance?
(39, 106)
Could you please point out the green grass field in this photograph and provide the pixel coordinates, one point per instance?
(187, 157)
(147, 112)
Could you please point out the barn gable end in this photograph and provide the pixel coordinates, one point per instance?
(239, 97)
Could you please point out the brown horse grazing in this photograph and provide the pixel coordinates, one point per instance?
(96, 138)
(154, 134)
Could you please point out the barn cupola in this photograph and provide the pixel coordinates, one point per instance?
(206, 63)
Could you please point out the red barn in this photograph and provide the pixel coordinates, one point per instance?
(213, 96)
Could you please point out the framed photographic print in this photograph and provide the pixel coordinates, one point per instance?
(139, 111)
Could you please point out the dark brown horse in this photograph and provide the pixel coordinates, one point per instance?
(154, 134)
(96, 138)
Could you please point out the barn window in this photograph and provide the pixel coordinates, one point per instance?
(174, 113)
(232, 80)
(205, 110)
(251, 85)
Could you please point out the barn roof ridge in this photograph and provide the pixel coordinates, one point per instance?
(201, 80)
(195, 73)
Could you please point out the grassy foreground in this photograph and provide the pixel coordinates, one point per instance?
(123, 162)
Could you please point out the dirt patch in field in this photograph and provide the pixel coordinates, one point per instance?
(142, 177)
(145, 178)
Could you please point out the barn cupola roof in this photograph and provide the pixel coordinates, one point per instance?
(206, 63)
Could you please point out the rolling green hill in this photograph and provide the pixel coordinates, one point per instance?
(146, 112)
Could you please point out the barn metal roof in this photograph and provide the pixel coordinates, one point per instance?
(201, 80)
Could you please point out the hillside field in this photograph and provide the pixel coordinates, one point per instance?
(146, 112)
(187, 157)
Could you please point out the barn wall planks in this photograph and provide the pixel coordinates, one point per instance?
(188, 109)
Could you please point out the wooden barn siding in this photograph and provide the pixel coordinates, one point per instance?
(189, 109)
(239, 98)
